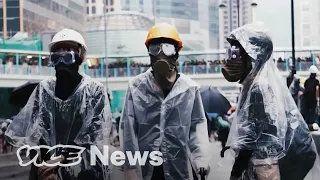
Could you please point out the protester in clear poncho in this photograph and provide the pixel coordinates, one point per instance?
(163, 112)
(268, 133)
(296, 90)
(69, 109)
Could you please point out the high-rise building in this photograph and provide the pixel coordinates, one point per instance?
(307, 23)
(99, 7)
(143, 6)
(190, 17)
(37, 16)
(230, 18)
(213, 19)
(112, 30)
(196, 20)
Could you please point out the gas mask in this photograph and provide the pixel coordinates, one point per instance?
(163, 61)
(236, 67)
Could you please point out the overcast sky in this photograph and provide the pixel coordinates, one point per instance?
(276, 16)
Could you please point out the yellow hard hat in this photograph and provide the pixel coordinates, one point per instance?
(164, 30)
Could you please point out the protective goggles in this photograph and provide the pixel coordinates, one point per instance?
(167, 49)
(67, 57)
(233, 53)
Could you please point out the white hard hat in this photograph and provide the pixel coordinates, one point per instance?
(313, 69)
(8, 121)
(69, 35)
(315, 126)
(4, 125)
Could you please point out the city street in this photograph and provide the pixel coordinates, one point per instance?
(10, 170)
(220, 168)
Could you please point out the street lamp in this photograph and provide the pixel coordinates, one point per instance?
(254, 5)
(106, 43)
(154, 11)
(222, 6)
(221, 26)
(293, 70)
(293, 67)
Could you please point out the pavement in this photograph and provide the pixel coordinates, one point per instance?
(220, 168)
(10, 169)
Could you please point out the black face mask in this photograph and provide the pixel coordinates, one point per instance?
(233, 71)
(65, 72)
(236, 71)
(313, 75)
(68, 79)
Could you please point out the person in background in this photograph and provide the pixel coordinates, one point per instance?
(118, 122)
(310, 96)
(213, 126)
(290, 77)
(3, 128)
(223, 129)
(209, 126)
(296, 90)
(317, 61)
(9, 66)
(114, 134)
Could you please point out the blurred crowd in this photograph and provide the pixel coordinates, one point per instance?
(119, 68)
(10, 61)
(306, 96)
(4, 146)
(218, 124)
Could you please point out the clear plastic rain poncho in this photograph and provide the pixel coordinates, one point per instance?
(83, 119)
(267, 120)
(176, 125)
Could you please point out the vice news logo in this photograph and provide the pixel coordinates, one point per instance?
(117, 158)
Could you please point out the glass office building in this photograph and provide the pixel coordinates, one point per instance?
(126, 32)
(196, 21)
(213, 18)
(180, 9)
(192, 18)
(39, 16)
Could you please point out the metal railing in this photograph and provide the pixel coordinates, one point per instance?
(131, 71)
(211, 63)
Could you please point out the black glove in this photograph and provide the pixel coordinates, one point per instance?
(234, 178)
(87, 174)
(241, 163)
(203, 173)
